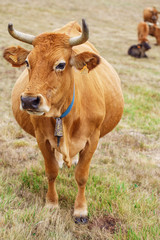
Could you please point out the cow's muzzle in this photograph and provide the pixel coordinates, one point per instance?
(30, 103)
(35, 105)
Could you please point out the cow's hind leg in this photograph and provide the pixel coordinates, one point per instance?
(81, 175)
(51, 169)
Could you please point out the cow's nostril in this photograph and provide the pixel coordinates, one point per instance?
(30, 102)
(36, 102)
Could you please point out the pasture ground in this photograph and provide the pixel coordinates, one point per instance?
(123, 187)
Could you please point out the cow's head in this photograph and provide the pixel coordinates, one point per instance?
(49, 68)
(154, 13)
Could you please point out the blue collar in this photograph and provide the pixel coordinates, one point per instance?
(70, 106)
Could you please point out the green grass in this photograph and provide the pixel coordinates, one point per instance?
(106, 196)
(142, 109)
(33, 180)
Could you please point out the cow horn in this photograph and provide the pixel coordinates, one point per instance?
(82, 38)
(27, 38)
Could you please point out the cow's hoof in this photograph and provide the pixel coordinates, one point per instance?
(81, 220)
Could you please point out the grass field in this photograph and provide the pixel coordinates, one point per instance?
(123, 188)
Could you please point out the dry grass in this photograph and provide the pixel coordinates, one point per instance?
(123, 187)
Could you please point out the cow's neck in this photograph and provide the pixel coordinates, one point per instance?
(59, 125)
(67, 111)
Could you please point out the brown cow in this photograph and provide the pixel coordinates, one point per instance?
(145, 28)
(65, 76)
(150, 15)
(143, 31)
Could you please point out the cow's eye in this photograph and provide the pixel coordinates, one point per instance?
(60, 66)
(27, 63)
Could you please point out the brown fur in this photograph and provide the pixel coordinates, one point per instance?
(154, 31)
(16, 55)
(150, 15)
(143, 31)
(85, 59)
(157, 35)
(97, 108)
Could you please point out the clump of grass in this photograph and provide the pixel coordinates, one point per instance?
(20, 143)
(33, 180)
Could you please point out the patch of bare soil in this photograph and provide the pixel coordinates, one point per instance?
(107, 222)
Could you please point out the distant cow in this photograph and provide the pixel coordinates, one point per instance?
(143, 32)
(138, 51)
(150, 15)
(145, 28)
(67, 97)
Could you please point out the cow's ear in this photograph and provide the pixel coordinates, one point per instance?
(85, 60)
(16, 55)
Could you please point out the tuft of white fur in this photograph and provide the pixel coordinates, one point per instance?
(80, 212)
(60, 163)
(75, 160)
(59, 158)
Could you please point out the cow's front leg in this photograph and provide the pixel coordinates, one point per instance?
(81, 175)
(51, 169)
